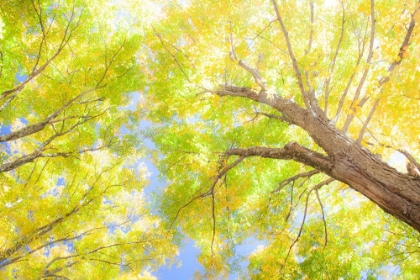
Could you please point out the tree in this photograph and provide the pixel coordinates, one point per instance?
(71, 197)
(279, 121)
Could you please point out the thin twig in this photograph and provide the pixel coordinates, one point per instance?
(323, 183)
(323, 217)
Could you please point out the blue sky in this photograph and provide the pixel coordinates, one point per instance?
(188, 257)
(187, 253)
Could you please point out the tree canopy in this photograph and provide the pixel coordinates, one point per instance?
(71, 195)
(288, 123)
(281, 121)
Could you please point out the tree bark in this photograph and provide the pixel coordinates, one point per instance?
(347, 161)
(396, 193)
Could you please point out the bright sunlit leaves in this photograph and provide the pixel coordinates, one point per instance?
(196, 49)
(71, 195)
(73, 172)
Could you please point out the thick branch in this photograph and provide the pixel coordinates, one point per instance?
(31, 129)
(292, 151)
(290, 110)
(40, 152)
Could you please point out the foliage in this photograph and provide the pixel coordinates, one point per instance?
(273, 121)
(217, 71)
(71, 195)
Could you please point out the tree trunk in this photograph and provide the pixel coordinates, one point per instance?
(396, 193)
(347, 161)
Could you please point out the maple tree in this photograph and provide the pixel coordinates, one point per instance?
(279, 121)
(71, 194)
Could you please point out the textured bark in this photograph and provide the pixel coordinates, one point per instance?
(396, 193)
(345, 160)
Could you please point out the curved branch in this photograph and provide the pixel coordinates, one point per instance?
(47, 244)
(292, 111)
(82, 256)
(402, 151)
(292, 151)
